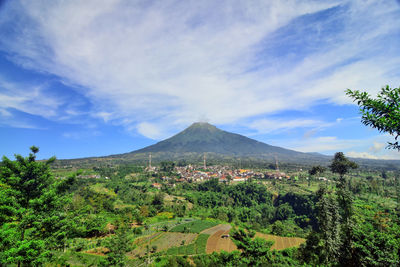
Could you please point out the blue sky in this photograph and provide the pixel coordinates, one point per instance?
(94, 78)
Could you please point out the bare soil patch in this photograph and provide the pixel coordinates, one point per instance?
(218, 243)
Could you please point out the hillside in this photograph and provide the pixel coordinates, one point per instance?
(203, 137)
(220, 147)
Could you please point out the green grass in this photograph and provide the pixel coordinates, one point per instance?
(193, 227)
(198, 247)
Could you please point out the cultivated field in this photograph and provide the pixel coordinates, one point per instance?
(282, 242)
(193, 227)
(212, 239)
(218, 243)
(163, 241)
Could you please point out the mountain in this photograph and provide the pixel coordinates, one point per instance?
(203, 137)
(219, 146)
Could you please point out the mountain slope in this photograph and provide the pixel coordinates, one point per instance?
(204, 137)
(220, 146)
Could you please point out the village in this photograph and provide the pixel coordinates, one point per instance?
(224, 174)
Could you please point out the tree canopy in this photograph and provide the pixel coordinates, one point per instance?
(341, 165)
(382, 113)
(33, 221)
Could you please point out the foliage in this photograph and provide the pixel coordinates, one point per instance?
(315, 170)
(341, 165)
(382, 113)
(167, 166)
(329, 226)
(375, 247)
(252, 250)
(118, 246)
(198, 247)
(35, 220)
(356, 214)
(193, 226)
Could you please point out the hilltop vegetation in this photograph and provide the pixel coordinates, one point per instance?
(116, 216)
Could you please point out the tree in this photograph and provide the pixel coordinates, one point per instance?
(253, 251)
(33, 203)
(329, 226)
(167, 166)
(382, 113)
(118, 246)
(315, 170)
(341, 165)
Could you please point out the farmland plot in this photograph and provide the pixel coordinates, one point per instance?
(216, 242)
(282, 242)
(193, 226)
(163, 241)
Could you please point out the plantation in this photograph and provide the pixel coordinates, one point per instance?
(193, 227)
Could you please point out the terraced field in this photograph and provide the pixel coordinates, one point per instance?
(193, 226)
(282, 242)
(163, 241)
(213, 239)
(218, 243)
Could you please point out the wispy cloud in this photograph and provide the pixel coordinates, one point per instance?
(168, 63)
(376, 147)
(81, 134)
(325, 144)
(25, 97)
(274, 125)
(357, 148)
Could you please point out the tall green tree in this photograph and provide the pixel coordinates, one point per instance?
(34, 220)
(382, 113)
(315, 170)
(329, 226)
(341, 165)
(253, 251)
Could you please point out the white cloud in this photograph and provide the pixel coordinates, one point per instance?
(26, 97)
(388, 155)
(17, 124)
(5, 113)
(363, 155)
(323, 144)
(81, 134)
(169, 63)
(150, 130)
(357, 148)
(267, 125)
(376, 147)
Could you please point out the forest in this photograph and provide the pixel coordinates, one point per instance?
(128, 215)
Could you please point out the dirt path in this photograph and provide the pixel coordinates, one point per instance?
(216, 242)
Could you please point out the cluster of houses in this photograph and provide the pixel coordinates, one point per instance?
(222, 173)
(90, 176)
(276, 175)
